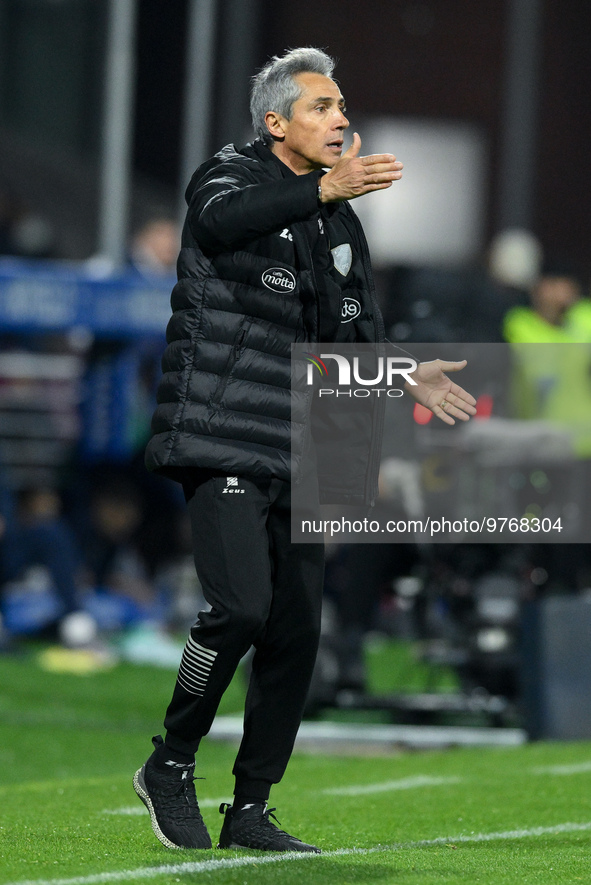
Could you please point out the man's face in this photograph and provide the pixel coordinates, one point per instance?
(313, 138)
(553, 296)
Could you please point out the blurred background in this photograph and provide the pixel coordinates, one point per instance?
(106, 108)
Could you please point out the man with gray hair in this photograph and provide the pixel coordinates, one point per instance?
(271, 253)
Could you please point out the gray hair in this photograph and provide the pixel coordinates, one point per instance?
(274, 88)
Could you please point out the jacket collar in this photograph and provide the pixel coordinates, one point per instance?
(259, 150)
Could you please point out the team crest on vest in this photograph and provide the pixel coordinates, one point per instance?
(279, 279)
(350, 310)
(343, 258)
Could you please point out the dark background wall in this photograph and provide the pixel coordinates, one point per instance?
(443, 59)
(563, 171)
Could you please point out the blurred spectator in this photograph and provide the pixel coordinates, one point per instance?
(40, 536)
(515, 259)
(555, 384)
(557, 310)
(38, 548)
(23, 232)
(155, 247)
(153, 251)
(112, 555)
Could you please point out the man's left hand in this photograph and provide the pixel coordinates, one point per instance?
(439, 394)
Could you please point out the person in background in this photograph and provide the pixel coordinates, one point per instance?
(557, 312)
(113, 560)
(24, 232)
(155, 247)
(151, 252)
(36, 534)
(514, 262)
(553, 383)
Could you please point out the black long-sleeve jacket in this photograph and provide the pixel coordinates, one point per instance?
(255, 275)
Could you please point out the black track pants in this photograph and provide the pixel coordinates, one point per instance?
(264, 592)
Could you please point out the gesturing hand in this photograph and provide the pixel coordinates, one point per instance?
(439, 394)
(352, 175)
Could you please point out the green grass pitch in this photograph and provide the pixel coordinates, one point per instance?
(69, 746)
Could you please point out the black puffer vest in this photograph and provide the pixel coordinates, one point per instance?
(247, 289)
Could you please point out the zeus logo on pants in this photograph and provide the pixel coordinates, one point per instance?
(232, 486)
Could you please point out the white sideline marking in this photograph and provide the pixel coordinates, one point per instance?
(576, 768)
(405, 783)
(131, 810)
(58, 785)
(236, 862)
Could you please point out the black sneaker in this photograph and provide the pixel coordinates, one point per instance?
(170, 798)
(250, 827)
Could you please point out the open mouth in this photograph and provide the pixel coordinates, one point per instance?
(335, 145)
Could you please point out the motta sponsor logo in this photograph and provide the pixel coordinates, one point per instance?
(350, 310)
(385, 371)
(279, 279)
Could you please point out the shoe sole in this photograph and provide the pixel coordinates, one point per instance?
(139, 785)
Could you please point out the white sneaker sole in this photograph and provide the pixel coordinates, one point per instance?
(139, 786)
